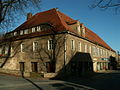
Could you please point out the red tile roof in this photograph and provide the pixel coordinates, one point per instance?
(90, 35)
(60, 21)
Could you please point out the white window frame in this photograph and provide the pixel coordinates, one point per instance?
(0, 50)
(78, 28)
(35, 46)
(79, 46)
(94, 50)
(15, 33)
(6, 49)
(90, 50)
(72, 44)
(98, 52)
(26, 31)
(33, 29)
(38, 28)
(21, 32)
(22, 47)
(86, 48)
(50, 44)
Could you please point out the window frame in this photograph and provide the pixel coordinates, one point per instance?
(72, 44)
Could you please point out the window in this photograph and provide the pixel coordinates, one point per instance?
(89, 49)
(85, 47)
(22, 47)
(26, 31)
(50, 44)
(79, 46)
(34, 67)
(72, 44)
(0, 50)
(6, 49)
(101, 52)
(33, 29)
(35, 46)
(15, 33)
(78, 28)
(94, 50)
(98, 52)
(22, 66)
(21, 32)
(38, 28)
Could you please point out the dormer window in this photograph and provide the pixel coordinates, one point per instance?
(21, 32)
(26, 31)
(78, 26)
(83, 30)
(38, 28)
(15, 33)
(33, 29)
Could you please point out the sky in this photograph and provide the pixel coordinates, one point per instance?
(105, 23)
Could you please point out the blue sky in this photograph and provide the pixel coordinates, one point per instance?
(106, 23)
(103, 22)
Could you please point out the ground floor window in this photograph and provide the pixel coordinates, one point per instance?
(22, 66)
(48, 67)
(34, 66)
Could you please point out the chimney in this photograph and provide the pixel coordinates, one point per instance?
(29, 15)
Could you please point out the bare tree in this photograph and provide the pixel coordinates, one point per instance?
(104, 4)
(12, 10)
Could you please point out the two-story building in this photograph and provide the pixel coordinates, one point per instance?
(51, 41)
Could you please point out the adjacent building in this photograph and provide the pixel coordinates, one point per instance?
(51, 42)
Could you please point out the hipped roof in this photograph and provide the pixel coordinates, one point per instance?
(60, 21)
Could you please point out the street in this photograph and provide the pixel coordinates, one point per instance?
(105, 81)
(18, 83)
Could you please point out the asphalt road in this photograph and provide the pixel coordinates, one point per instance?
(18, 83)
(107, 81)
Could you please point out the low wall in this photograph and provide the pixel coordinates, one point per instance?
(14, 72)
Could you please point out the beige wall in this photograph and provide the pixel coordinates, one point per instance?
(62, 56)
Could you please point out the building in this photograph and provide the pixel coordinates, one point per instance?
(51, 42)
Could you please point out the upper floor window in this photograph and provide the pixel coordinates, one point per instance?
(79, 46)
(98, 51)
(101, 52)
(72, 45)
(22, 47)
(26, 31)
(0, 50)
(33, 29)
(50, 44)
(94, 50)
(21, 32)
(90, 49)
(6, 49)
(85, 47)
(35, 46)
